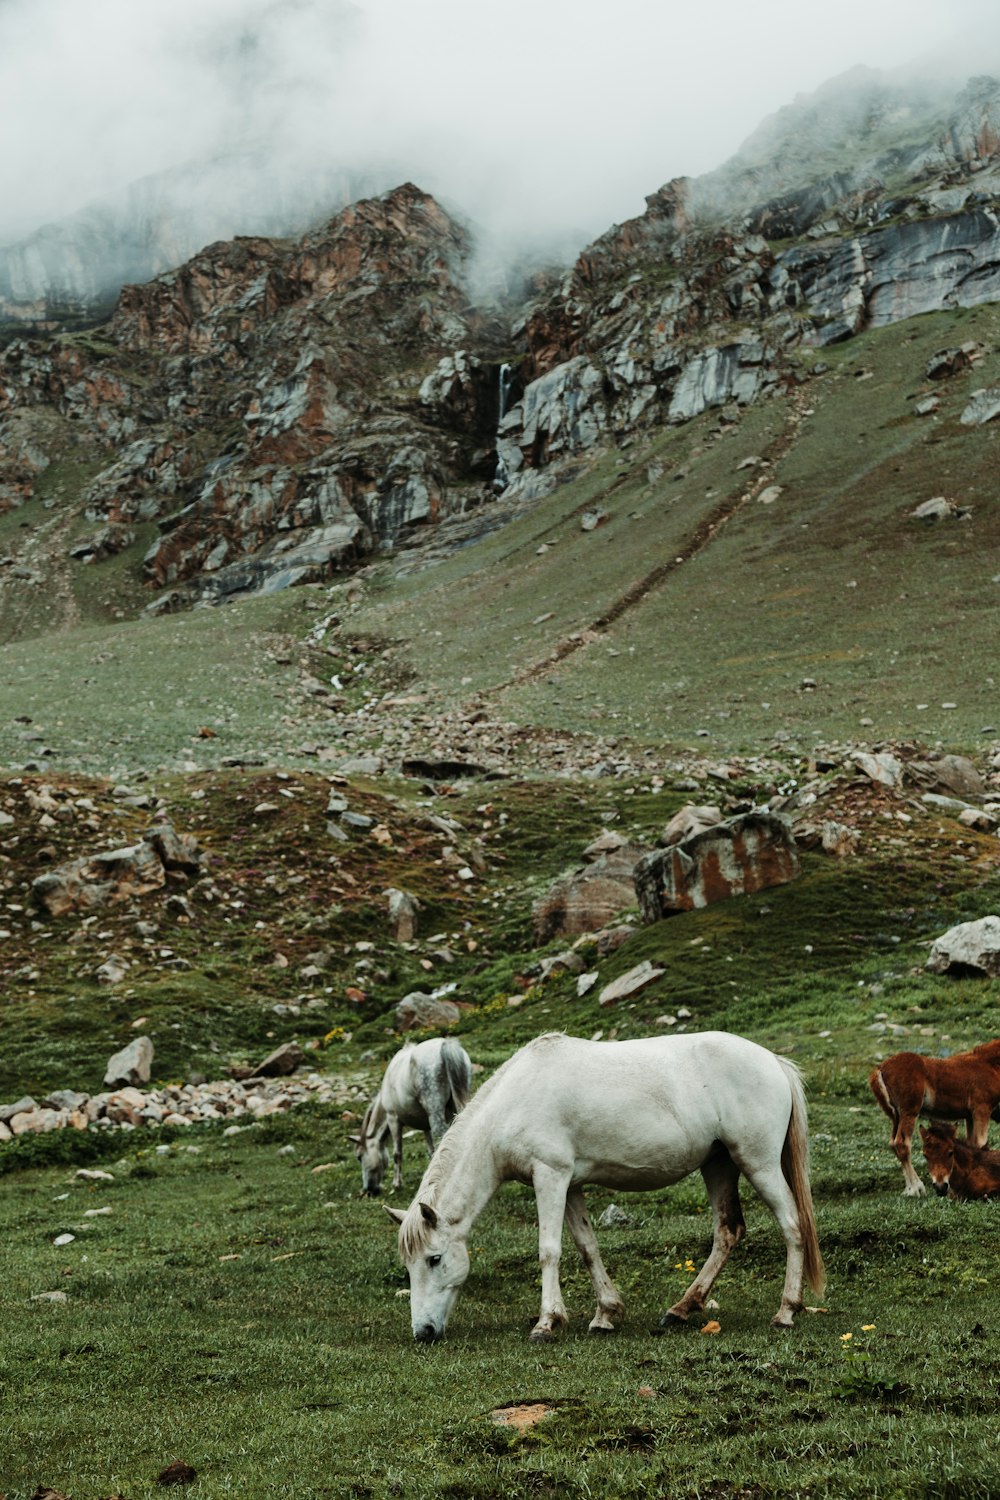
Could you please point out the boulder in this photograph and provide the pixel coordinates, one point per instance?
(953, 774)
(969, 948)
(590, 897)
(132, 1065)
(881, 767)
(282, 1061)
(734, 858)
(420, 1012)
(99, 880)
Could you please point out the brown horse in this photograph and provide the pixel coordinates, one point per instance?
(957, 1169)
(963, 1087)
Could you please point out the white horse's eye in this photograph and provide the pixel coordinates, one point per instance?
(433, 1260)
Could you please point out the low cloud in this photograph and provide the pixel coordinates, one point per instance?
(543, 121)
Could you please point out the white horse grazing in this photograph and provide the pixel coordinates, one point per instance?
(425, 1085)
(631, 1116)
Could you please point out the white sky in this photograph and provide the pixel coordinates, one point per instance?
(548, 116)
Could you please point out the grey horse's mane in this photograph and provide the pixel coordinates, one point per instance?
(414, 1231)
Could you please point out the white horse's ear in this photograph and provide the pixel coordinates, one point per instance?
(355, 1140)
(430, 1217)
(395, 1214)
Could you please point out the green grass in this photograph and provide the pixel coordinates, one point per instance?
(239, 1311)
(211, 1317)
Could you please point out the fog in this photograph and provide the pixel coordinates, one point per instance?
(544, 121)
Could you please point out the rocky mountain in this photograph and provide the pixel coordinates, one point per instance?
(276, 411)
(69, 272)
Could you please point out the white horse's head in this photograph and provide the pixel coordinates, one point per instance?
(437, 1259)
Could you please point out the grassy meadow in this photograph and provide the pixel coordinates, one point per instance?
(241, 1308)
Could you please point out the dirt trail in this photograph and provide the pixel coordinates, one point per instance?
(702, 536)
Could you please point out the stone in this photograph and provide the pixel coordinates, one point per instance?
(64, 1099)
(20, 1107)
(839, 840)
(937, 509)
(113, 970)
(630, 983)
(588, 898)
(102, 879)
(738, 857)
(614, 1217)
(132, 1065)
(983, 407)
(403, 909)
(420, 1012)
(881, 767)
(949, 773)
(281, 1062)
(969, 948)
(688, 820)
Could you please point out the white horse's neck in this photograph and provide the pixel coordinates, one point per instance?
(464, 1173)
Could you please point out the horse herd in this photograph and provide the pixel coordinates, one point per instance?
(640, 1115)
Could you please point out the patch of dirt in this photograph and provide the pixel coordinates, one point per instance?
(522, 1415)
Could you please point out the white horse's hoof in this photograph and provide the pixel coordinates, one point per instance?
(543, 1336)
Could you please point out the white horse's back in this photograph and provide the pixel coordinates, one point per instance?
(638, 1114)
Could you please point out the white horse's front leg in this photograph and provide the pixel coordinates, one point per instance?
(609, 1302)
(550, 1197)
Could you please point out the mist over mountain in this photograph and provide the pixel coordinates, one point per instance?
(167, 126)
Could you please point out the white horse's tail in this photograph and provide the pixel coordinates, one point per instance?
(458, 1072)
(795, 1165)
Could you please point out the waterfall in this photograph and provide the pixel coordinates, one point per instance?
(506, 380)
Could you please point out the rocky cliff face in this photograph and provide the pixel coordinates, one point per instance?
(267, 405)
(274, 411)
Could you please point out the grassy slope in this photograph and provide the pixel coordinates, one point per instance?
(834, 581)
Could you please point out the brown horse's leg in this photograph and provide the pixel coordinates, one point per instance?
(722, 1177)
(609, 1302)
(902, 1142)
(977, 1128)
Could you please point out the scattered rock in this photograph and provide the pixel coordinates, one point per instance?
(281, 1062)
(132, 1065)
(630, 983)
(403, 909)
(882, 767)
(969, 948)
(982, 408)
(690, 819)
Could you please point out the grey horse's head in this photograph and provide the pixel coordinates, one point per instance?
(369, 1148)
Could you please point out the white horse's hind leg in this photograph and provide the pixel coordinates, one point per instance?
(771, 1185)
(550, 1196)
(721, 1175)
(609, 1302)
